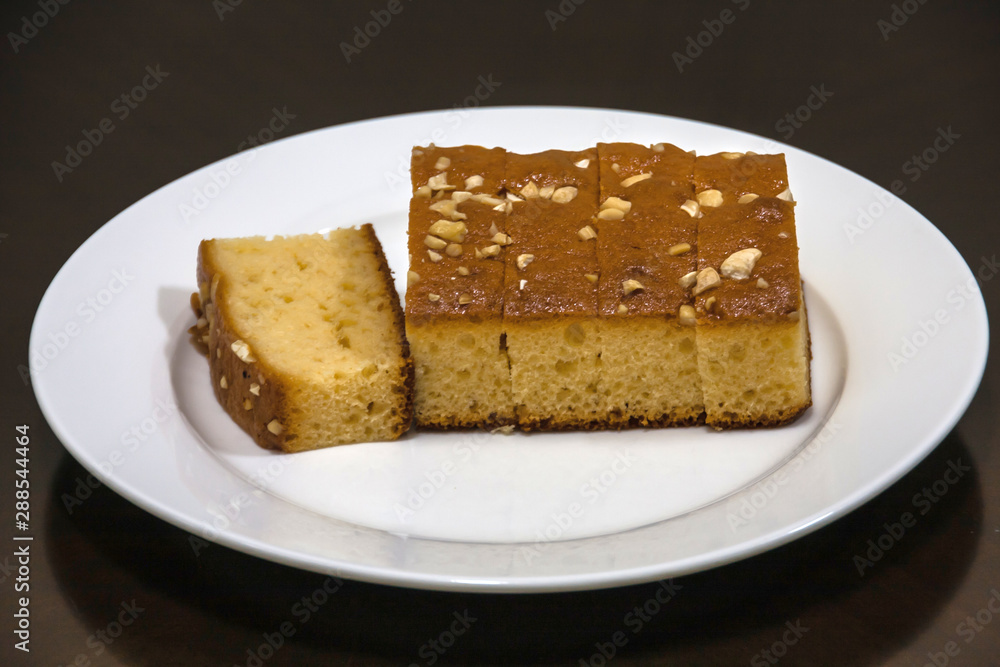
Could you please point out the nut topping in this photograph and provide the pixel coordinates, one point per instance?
(739, 265)
(463, 271)
(435, 256)
(709, 198)
(448, 207)
(622, 309)
(524, 260)
(449, 230)
(491, 250)
(502, 239)
(423, 192)
(616, 203)
(464, 299)
(688, 280)
(247, 405)
(632, 180)
(592, 277)
(546, 192)
(630, 286)
(762, 284)
(692, 208)
(583, 164)
(439, 182)
(473, 182)
(530, 191)
(587, 233)
(611, 214)
(412, 278)
(453, 250)
(679, 249)
(786, 194)
(489, 200)
(433, 297)
(706, 280)
(223, 382)
(747, 198)
(460, 196)
(710, 303)
(275, 427)
(565, 194)
(434, 242)
(658, 148)
(731, 156)
(442, 163)
(255, 389)
(242, 351)
(686, 315)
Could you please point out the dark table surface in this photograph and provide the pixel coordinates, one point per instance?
(893, 76)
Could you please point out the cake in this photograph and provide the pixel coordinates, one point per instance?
(646, 243)
(618, 286)
(753, 338)
(305, 338)
(549, 303)
(454, 294)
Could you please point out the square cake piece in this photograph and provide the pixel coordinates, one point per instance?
(645, 244)
(752, 335)
(454, 296)
(550, 297)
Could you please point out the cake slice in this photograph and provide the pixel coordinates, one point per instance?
(305, 338)
(752, 335)
(646, 243)
(454, 296)
(550, 290)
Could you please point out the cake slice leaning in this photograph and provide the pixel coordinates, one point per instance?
(752, 333)
(305, 337)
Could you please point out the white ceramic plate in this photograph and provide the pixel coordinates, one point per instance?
(130, 398)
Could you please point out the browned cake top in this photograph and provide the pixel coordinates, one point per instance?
(644, 243)
(556, 196)
(452, 216)
(772, 288)
(735, 174)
